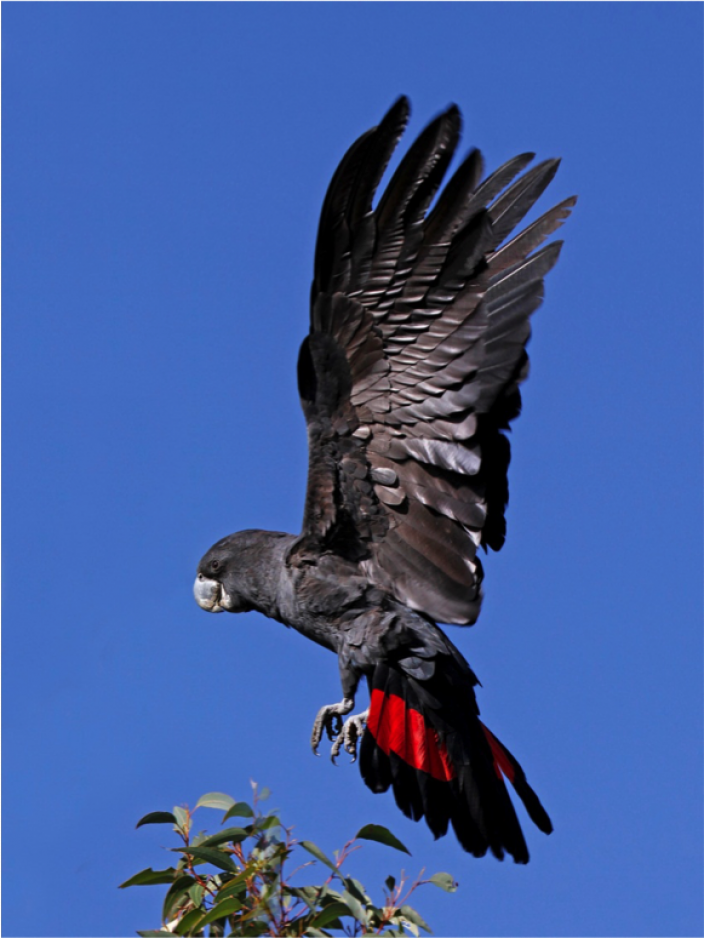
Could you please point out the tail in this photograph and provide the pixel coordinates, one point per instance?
(425, 739)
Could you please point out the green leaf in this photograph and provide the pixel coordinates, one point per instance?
(330, 913)
(249, 929)
(411, 915)
(355, 907)
(148, 877)
(227, 906)
(230, 835)
(266, 823)
(216, 799)
(382, 836)
(239, 809)
(444, 881)
(311, 895)
(181, 818)
(233, 888)
(221, 910)
(264, 794)
(216, 857)
(190, 922)
(153, 934)
(157, 817)
(375, 915)
(174, 895)
(318, 854)
(315, 932)
(356, 888)
(195, 894)
(390, 883)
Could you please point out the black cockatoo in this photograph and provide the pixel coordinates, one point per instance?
(408, 379)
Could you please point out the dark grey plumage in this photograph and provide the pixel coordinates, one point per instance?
(426, 319)
(408, 379)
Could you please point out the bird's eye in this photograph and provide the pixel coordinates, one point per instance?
(215, 564)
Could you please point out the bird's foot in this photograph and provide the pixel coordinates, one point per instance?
(329, 719)
(352, 732)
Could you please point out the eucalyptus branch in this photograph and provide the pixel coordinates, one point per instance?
(253, 893)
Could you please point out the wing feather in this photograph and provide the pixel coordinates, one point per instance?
(419, 322)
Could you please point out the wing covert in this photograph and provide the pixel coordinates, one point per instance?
(410, 374)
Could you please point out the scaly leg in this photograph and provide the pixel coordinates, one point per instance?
(330, 719)
(352, 732)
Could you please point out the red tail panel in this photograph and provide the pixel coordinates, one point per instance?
(502, 763)
(397, 728)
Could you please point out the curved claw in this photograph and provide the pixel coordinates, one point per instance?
(352, 732)
(329, 719)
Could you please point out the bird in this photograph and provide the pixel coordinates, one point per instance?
(409, 378)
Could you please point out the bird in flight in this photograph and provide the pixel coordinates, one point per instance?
(408, 379)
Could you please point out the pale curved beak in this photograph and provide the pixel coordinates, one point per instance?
(208, 594)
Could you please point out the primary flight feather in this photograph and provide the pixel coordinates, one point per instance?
(408, 380)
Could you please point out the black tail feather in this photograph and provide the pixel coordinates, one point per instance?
(515, 774)
(443, 764)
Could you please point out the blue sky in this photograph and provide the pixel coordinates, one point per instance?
(164, 166)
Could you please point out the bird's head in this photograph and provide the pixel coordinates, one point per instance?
(221, 580)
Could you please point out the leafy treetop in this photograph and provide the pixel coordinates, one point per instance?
(235, 882)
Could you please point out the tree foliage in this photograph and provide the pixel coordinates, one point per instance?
(237, 880)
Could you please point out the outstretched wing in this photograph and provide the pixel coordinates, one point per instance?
(410, 373)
